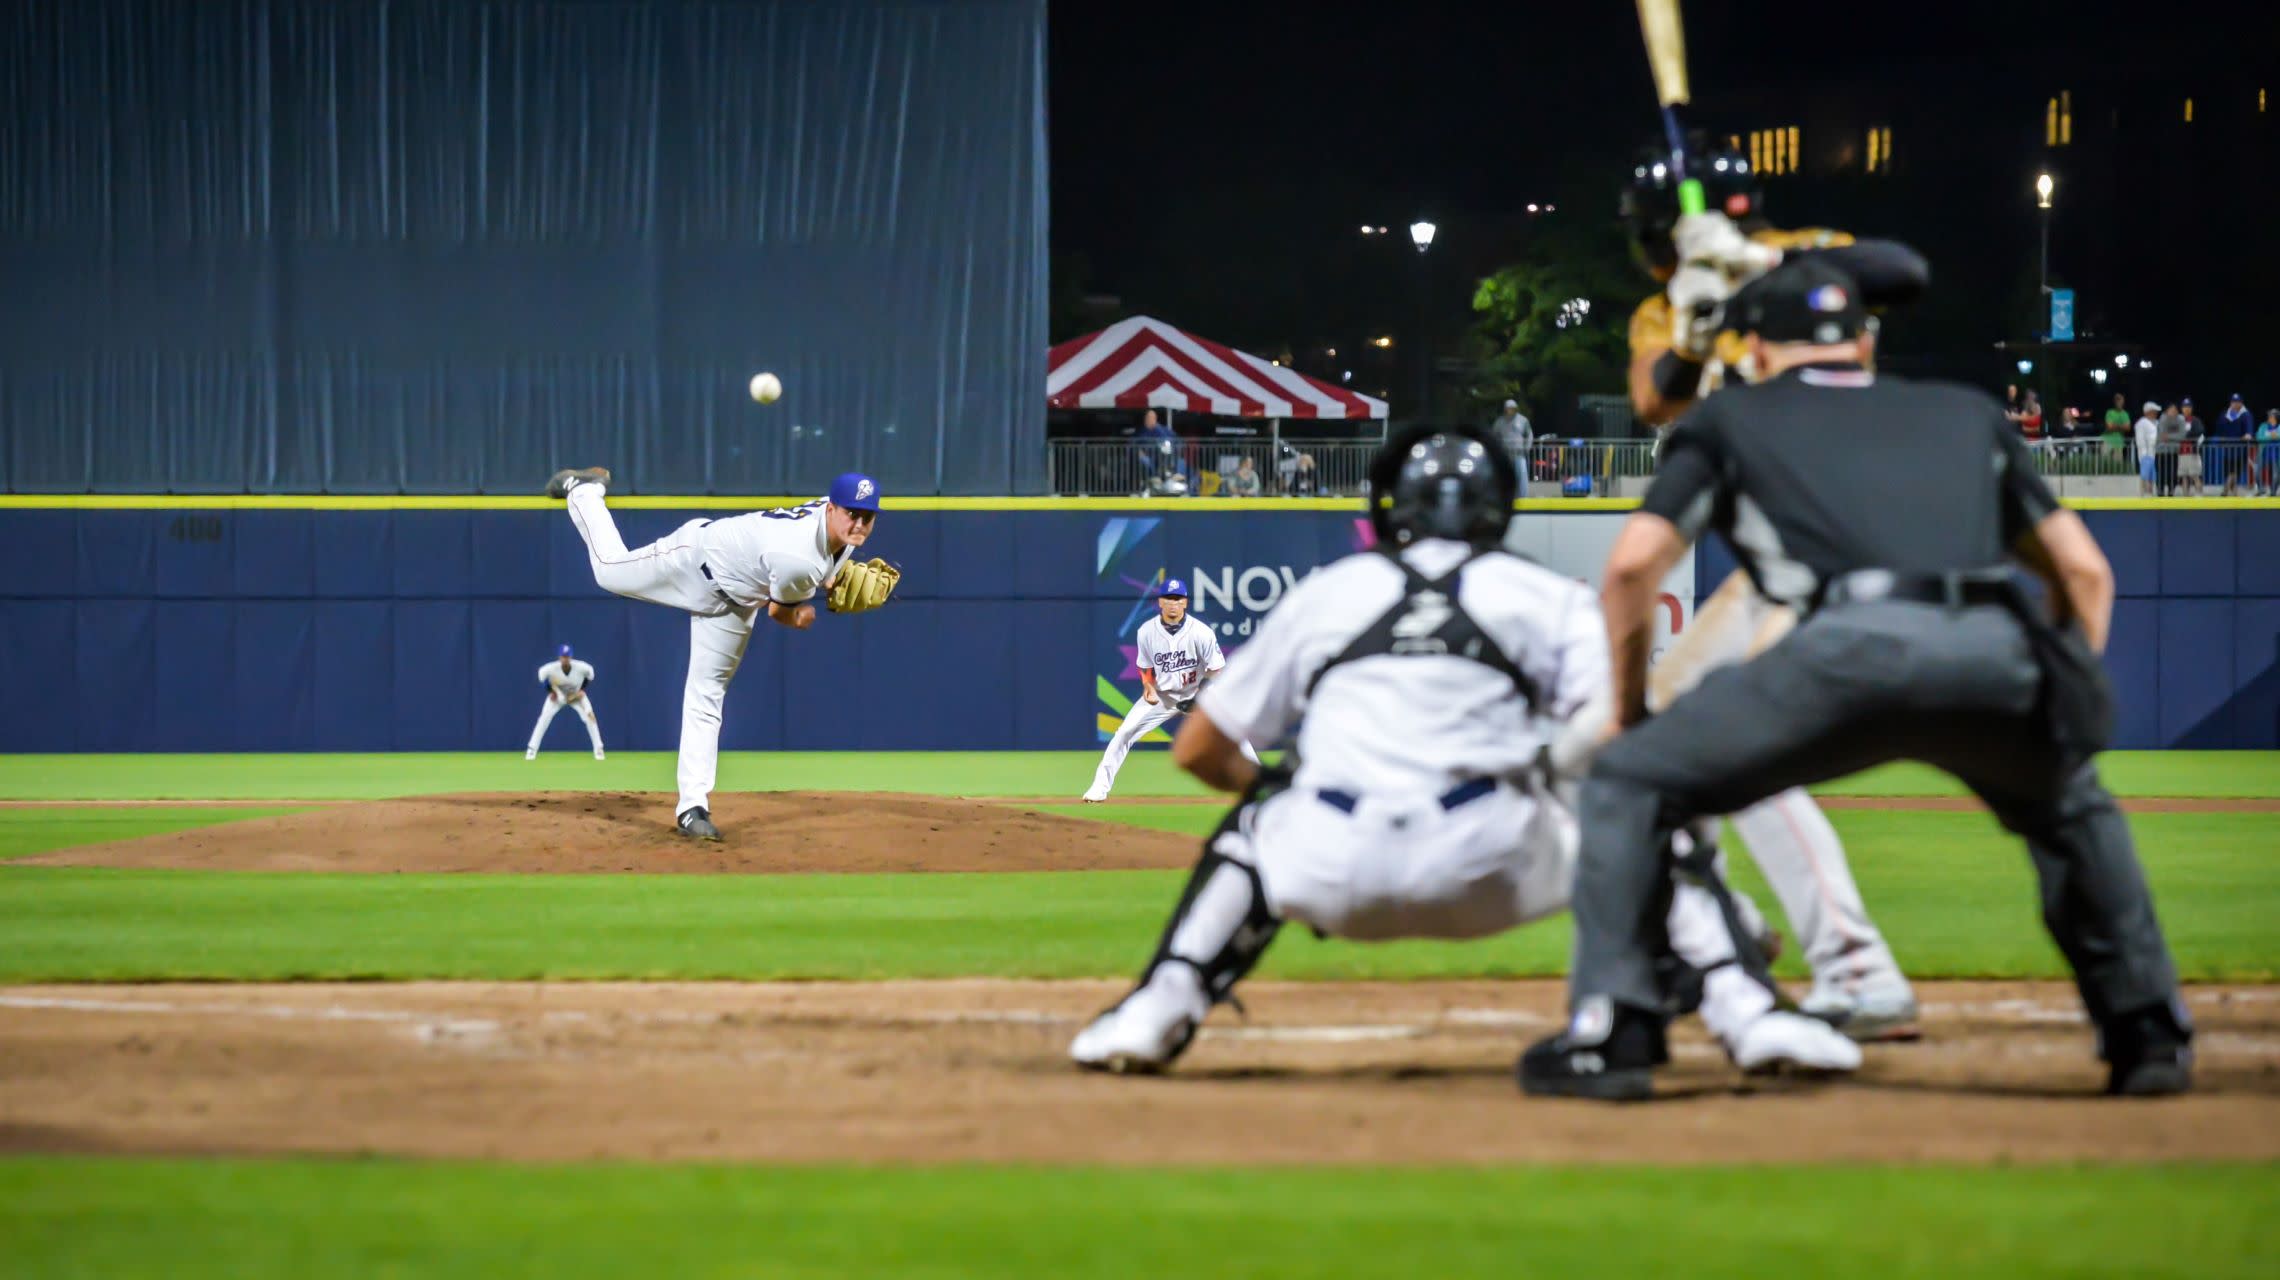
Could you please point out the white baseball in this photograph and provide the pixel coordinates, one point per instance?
(767, 388)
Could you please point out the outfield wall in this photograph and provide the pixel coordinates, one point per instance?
(281, 628)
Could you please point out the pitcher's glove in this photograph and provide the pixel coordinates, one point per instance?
(863, 586)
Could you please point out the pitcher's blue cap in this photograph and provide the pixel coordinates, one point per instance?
(855, 492)
(1172, 587)
(564, 653)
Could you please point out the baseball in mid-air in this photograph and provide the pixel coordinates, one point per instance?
(767, 388)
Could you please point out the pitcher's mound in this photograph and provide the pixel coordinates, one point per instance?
(769, 831)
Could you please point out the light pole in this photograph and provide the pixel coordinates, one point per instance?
(2043, 187)
(1421, 234)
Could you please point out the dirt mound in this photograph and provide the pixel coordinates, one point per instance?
(771, 831)
(1391, 1073)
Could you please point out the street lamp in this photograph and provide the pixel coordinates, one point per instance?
(2122, 361)
(2026, 367)
(2043, 187)
(1421, 234)
(2098, 376)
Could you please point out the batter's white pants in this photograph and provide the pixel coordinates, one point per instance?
(670, 571)
(585, 709)
(1143, 716)
(1788, 836)
(1402, 866)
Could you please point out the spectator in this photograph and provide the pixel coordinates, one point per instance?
(2147, 438)
(1244, 483)
(2268, 454)
(1305, 482)
(1513, 430)
(2189, 468)
(2030, 418)
(2172, 435)
(2117, 426)
(1161, 463)
(2228, 449)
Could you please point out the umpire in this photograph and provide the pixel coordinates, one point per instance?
(1887, 513)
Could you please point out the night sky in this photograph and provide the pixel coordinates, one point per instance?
(1241, 143)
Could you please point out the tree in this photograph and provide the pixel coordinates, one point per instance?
(1554, 325)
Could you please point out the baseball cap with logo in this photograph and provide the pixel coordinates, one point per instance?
(1805, 300)
(2151, 406)
(855, 492)
(1172, 587)
(565, 652)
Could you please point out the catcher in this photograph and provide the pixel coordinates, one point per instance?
(1681, 350)
(724, 574)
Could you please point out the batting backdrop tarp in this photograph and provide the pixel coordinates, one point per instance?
(432, 246)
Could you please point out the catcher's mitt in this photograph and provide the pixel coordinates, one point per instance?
(863, 586)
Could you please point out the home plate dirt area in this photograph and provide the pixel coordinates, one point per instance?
(973, 1070)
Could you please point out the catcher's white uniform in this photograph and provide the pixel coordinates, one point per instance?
(565, 687)
(1418, 807)
(721, 572)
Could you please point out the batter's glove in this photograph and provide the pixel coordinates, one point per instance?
(1712, 240)
(864, 586)
(1698, 310)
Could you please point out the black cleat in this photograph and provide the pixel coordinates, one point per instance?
(697, 824)
(2149, 1053)
(1617, 1067)
(565, 479)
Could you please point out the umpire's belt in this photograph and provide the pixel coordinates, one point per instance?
(1461, 794)
(1955, 588)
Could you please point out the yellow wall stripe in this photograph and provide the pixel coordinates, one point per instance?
(1166, 506)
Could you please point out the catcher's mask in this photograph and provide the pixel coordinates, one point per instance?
(1442, 482)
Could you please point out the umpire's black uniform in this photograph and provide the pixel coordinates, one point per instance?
(1885, 511)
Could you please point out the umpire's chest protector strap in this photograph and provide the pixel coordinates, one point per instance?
(1430, 621)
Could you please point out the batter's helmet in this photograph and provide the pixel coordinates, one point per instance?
(1650, 196)
(1442, 482)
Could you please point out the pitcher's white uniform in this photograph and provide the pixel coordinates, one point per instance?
(1180, 661)
(566, 689)
(721, 572)
(1418, 808)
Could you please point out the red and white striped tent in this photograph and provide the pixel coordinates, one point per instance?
(1145, 363)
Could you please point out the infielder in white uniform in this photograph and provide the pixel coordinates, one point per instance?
(1425, 680)
(566, 679)
(723, 574)
(1177, 657)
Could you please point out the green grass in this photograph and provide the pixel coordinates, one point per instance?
(1953, 893)
(1050, 773)
(110, 1218)
(24, 832)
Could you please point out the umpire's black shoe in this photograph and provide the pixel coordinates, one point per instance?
(697, 824)
(2148, 1056)
(1617, 1065)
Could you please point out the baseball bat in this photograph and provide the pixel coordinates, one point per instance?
(1666, 57)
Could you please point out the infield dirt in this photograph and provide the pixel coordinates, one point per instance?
(974, 1070)
(767, 831)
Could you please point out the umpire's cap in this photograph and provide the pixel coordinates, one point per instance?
(1442, 482)
(1802, 300)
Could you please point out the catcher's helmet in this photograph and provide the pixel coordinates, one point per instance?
(1442, 482)
(1650, 195)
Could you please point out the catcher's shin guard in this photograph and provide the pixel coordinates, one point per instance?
(1221, 926)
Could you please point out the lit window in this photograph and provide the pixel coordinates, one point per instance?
(2260, 102)
(2188, 111)
(1734, 141)
(2066, 117)
(1757, 151)
(2050, 123)
(1793, 148)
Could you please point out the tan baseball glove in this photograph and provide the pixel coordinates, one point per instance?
(863, 586)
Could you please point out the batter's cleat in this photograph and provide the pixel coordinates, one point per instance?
(569, 478)
(697, 824)
(1148, 1030)
(1791, 1042)
(1617, 1066)
(2148, 1057)
(1869, 1005)
(600, 756)
(1095, 797)
(530, 755)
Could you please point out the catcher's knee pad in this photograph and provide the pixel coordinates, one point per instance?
(1222, 925)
